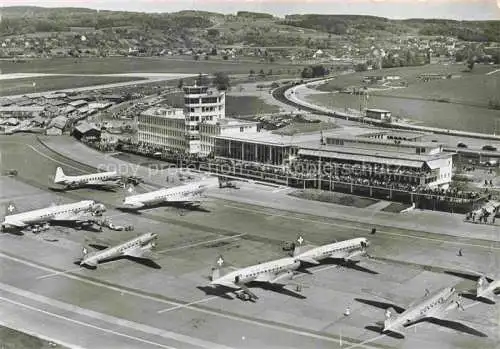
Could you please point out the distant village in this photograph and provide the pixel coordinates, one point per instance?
(375, 53)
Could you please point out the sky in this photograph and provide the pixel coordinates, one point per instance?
(451, 9)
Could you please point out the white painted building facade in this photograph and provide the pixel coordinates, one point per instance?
(162, 127)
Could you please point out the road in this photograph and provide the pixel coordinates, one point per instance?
(298, 95)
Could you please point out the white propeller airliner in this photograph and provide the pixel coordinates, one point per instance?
(138, 248)
(276, 272)
(102, 179)
(190, 194)
(77, 212)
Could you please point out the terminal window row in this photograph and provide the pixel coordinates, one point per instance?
(204, 100)
(203, 109)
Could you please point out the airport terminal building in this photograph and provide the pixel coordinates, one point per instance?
(338, 158)
(345, 158)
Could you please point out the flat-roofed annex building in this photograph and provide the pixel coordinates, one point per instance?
(162, 128)
(414, 164)
(224, 127)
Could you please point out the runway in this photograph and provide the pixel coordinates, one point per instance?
(136, 306)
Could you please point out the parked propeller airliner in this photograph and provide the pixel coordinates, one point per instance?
(102, 179)
(276, 272)
(189, 194)
(136, 248)
(431, 308)
(78, 212)
(487, 288)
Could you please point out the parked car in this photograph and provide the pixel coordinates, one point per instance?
(489, 148)
(461, 145)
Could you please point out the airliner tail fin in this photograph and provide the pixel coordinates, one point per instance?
(59, 175)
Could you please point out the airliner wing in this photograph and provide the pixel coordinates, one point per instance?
(91, 263)
(133, 206)
(226, 284)
(104, 183)
(185, 199)
(16, 224)
(137, 252)
(307, 260)
(71, 217)
(247, 291)
(265, 277)
(341, 255)
(282, 278)
(239, 286)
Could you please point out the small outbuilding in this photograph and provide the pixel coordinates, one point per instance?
(378, 114)
(87, 131)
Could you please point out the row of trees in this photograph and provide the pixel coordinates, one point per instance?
(471, 31)
(57, 20)
(406, 59)
(314, 71)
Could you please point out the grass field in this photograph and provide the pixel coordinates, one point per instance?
(395, 207)
(476, 90)
(46, 83)
(334, 198)
(471, 88)
(247, 105)
(12, 339)
(408, 74)
(235, 105)
(110, 65)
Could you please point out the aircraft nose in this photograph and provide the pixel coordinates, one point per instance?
(154, 235)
